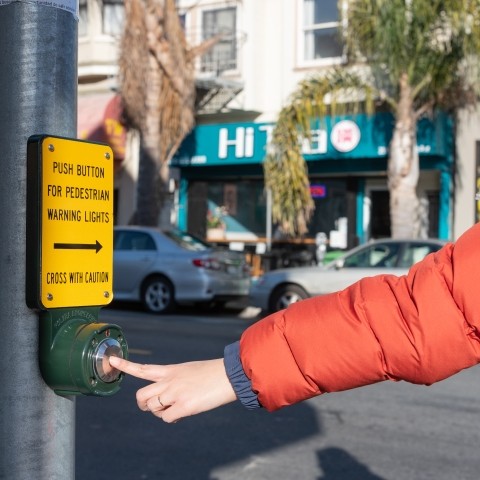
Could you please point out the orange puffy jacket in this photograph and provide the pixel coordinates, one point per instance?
(421, 327)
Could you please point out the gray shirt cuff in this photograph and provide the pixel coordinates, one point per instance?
(240, 382)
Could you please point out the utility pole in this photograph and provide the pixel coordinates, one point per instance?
(38, 95)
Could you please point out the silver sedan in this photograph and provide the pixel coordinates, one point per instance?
(164, 268)
(278, 289)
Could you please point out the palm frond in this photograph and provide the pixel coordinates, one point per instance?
(285, 169)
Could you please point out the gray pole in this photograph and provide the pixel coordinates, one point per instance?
(38, 94)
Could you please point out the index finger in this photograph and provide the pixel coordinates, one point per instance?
(146, 372)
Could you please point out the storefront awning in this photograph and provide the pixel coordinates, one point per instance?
(99, 120)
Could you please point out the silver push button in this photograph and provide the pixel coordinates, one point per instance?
(105, 349)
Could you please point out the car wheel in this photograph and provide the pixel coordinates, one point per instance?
(285, 295)
(157, 295)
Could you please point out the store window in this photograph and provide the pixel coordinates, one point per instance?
(223, 55)
(82, 18)
(239, 205)
(113, 17)
(329, 196)
(320, 30)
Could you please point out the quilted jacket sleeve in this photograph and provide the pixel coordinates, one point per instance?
(422, 328)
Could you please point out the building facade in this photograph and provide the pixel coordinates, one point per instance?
(99, 115)
(266, 48)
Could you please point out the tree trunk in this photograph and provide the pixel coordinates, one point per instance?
(158, 92)
(149, 183)
(403, 169)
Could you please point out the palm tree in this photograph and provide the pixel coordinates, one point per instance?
(157, 87)
(412, 57)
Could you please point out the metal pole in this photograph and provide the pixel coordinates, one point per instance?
(38, 94)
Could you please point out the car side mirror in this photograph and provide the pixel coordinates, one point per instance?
(339, 264)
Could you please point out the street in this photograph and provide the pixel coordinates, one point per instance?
(387, 431)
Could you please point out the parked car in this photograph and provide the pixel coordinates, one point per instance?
(164, 268)
(278, 289)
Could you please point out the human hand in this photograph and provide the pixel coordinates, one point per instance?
(180, 390)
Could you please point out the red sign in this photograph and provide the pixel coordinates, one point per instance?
(345, 136)
(318, 191)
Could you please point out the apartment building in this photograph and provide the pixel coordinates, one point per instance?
(266, 48)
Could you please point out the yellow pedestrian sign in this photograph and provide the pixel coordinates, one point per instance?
(74, 222)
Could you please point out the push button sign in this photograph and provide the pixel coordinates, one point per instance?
(75, 222)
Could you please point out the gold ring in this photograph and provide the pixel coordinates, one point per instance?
(160, 402)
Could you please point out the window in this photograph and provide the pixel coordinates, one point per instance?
(223, 55)
(320, 30)
(183, 20)
(244, 203)
(329, 206)
(113, 17)
(415, 252)
(383, 255)
(82, 18)
(125, 240)
(187, 241)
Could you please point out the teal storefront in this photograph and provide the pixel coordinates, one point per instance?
(221, 173)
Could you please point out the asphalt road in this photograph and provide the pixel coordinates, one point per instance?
(389, 431)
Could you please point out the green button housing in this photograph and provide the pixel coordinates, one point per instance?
(73, 351)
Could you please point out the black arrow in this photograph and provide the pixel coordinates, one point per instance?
(78, 246)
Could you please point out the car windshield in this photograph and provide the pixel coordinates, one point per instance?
(389, 255)
(187, 241)
(375, 256)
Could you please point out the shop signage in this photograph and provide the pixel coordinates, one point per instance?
(358, 137)
(345, 136)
